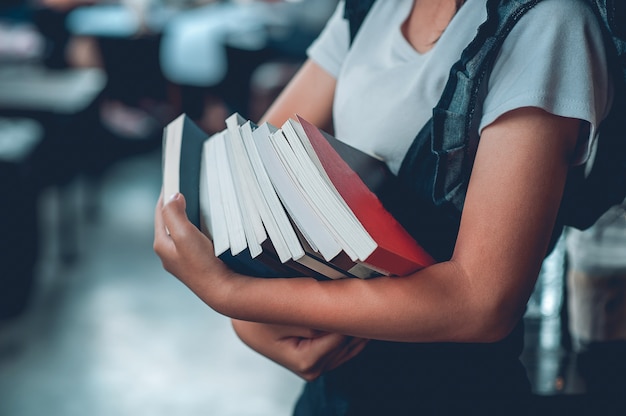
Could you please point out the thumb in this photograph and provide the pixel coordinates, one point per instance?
(174, 216)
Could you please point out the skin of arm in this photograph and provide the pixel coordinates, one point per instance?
(310, 94)
(477, 296)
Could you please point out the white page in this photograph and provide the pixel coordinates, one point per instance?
(310, 225)
(211, 203)
(234, 221)
(253, 225)
(325, 197)
(277, 223)
(355, 240)
(293, 169)
(171, 157)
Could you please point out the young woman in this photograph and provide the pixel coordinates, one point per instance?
(446, 339)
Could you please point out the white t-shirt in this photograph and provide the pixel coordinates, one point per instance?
(553, 59)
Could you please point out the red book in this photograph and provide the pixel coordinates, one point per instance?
(397, 252)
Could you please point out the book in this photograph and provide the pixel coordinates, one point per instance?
(310, 230)
(289, 200)
(181, 163)
(358, 177)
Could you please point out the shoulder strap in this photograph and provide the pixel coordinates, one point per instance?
(454, 125)
(613, 15)
(355, 12)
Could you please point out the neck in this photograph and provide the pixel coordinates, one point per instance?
(427, 21)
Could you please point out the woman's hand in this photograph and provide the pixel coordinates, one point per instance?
(185, 251)
(188, 254)
(306, 352)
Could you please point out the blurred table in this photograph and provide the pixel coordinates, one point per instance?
(37, 90)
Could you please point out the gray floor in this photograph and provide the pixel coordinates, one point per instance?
(114, 334)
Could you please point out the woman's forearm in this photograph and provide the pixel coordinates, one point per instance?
(477, 296)
(435, 304)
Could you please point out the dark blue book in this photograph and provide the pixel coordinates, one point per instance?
(181, 163)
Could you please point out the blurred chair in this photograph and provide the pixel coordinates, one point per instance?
(19, 221)
(47, 134)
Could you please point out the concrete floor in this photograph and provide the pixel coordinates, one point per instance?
(114, 334)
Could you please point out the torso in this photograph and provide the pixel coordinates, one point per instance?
(384, 65)
(388, 82)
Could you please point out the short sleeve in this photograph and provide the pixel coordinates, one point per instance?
(554, 59)
(331, 46)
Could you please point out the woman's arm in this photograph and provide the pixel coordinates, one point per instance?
(310, 94)
(479, 295)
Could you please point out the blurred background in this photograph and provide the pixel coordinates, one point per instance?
(89, 321)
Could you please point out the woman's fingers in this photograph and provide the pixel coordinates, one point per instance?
(159, 226)
(183, 233)
(351, 350)
(314, 356)
(340, 349)
(183, 249)
(162, 241)
(285, 331)
(175, 218)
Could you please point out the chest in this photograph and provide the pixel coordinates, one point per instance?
(386, 89)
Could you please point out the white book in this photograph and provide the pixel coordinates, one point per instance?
(249, 186)
(234, 220)
(341, 221)
(241, 173)
(281, 232)
(294, 131)
(213, 217)
(303, 215)
(172, 141)
(291, 126)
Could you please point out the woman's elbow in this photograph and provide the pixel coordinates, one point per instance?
(496, 320)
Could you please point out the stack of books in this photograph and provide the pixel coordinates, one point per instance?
(288, 201)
